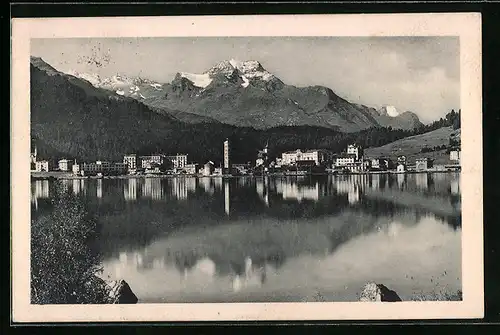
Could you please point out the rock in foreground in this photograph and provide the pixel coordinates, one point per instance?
(378, 292)
(121, 293)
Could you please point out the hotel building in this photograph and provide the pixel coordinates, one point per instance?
(101, 167)
(423, 164)
(131, 161)
(64, 165)
(208, 168)
(455, 155)
(191, 168)
(353, 149)
(292, 157)
(147, 162)
(179, 161)
(42, 166)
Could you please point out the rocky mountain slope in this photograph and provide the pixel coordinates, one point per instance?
(245, 94)
(140, 89)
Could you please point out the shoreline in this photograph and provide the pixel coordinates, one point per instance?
(69, 176)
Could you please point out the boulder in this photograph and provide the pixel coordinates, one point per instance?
(378, 292)
(121, 293)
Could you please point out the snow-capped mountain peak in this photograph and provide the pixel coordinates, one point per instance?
(249, 69)
(92, 78)
(389, 111)
(115, 81)
(245, 66)
(225, 67)
(121, 84)
(199, 80)
(235, 63)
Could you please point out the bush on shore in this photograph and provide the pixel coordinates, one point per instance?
(63, 262)
(438, 296)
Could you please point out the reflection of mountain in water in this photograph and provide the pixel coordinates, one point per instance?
(265, 244)
(244, 233)
(240, 258)
(133, 212)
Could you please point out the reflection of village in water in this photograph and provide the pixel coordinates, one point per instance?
(287, 188)
(434, 193)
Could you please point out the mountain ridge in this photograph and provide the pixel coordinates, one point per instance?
(244, 93)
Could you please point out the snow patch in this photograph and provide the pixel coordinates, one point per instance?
(92, 78)
(142, 96)
(199, 80)
(235, 63)
(264, 75)
(295, 102)
(391, 111)
(249, 66)
(246, 82)
(251, 69)
(155, 86)
(120, 92)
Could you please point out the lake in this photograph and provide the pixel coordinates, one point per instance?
(274, 239)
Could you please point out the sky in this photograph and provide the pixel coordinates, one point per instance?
(418, 74)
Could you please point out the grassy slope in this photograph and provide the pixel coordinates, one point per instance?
(411, 146)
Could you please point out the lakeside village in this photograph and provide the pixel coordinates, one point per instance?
(297, 162)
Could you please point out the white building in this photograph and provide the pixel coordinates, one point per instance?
(103, 164)
(345, 160)
(455, 155)
(208, 168)
(147, 162)
(42, 166)
(179, 161)
(262, 156)
(291, 157)
(191, 168)
(76, 169)
(380, 163)
(353, 149)
(423, 164)
(131, 161)
(64, 165)
(401, 167)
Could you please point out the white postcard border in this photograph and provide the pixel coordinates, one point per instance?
(465, 25)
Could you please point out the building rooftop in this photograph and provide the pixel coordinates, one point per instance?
(305, 151)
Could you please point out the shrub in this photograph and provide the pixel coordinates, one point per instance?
(438, 296)
(63, 262)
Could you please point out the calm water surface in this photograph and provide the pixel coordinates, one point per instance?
(275, 239)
